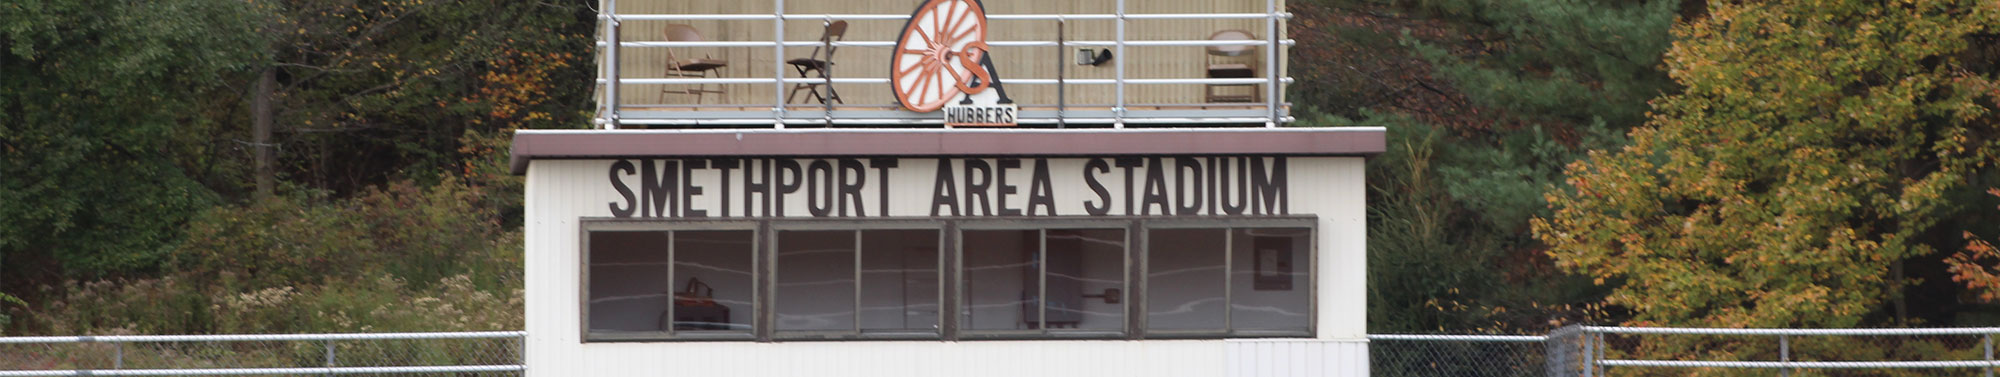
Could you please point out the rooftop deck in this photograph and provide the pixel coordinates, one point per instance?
(1161, 67)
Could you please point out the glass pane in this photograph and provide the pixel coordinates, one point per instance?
(628, 281)
(1184, 279)
(815, 280)
(899, 280)
(1270, 288)
(1086, 282)
(1001, 286)
(713, 291)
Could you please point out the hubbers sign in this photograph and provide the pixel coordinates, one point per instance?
(941, 62)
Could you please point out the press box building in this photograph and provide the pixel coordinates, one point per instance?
(945, 187)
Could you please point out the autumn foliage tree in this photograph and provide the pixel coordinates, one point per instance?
(1815, 141)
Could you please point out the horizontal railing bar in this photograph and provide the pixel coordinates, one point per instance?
(934, 121)
(878, 80)
(691, 17)
(1072, 106)
(1008, 17)
(1148, 43)
(1729, 331)
(1802, 364)
(258, 337)
(261, 371)
(1468, 338)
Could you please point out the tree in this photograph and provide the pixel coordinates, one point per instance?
(1814, 143)
(97, 161)
(1487, 100)
(361, 92)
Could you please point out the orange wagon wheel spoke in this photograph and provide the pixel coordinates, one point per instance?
(926, 72)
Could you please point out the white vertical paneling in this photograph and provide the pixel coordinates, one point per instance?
(1296, 358)
(560, 192)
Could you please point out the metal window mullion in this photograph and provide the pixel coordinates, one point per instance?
(671, 268)
(1228, 279)
(778, 65)
(1042, 283)
(1135, 279)
(951, 280)
(856, 310)
(762, 293)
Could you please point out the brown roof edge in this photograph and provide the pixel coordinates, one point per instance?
(599, 144)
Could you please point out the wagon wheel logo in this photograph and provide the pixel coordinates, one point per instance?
(941, 53)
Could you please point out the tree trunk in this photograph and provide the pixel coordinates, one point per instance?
(260, 129)
(1901, 301)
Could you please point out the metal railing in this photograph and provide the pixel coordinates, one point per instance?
(495, 353)
(1592, 351)
(612, 114)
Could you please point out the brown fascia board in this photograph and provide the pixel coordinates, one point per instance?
(605, 144)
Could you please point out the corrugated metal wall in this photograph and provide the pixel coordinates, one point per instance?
(560, 192)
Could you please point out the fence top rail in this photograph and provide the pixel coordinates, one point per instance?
(259, 337)
(1803, 332)
(266, 371)
(1802, 364)
(1466, 338)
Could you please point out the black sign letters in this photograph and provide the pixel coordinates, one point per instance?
(838, 187)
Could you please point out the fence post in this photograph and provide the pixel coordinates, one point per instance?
(1591, 345)
(329, 357)
(118, 355)
(1785, 355)
(1988, 342)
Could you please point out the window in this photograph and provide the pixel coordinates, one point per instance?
(948, 279)
(1037, 281)
(680, 283)
(890, 275)
(1203, 282)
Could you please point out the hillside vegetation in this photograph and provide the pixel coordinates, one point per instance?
(231, 166)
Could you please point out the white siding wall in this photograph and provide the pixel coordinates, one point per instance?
(560, 192)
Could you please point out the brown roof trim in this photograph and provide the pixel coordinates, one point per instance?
(599, 144)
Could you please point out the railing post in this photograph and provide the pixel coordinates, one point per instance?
(1118, 58)
(521, 353)
(611, 61)
(118, 355)
(1785, 355)
(826, 72)
(1271, 61)
(778, 64)
(1062, 67)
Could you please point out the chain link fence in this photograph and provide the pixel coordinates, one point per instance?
(404, 354)
(1457, 355)
(1591, 351)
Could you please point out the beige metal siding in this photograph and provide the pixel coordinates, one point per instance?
(873, 62)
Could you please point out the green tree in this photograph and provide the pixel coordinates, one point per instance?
(1487, 100)
(97, 165)
(367, 92)
(1814, 143)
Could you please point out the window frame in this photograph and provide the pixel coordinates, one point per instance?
(1229, 227)
(585, 227)
(857, 226)
(1043, 225)
(951, 287)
